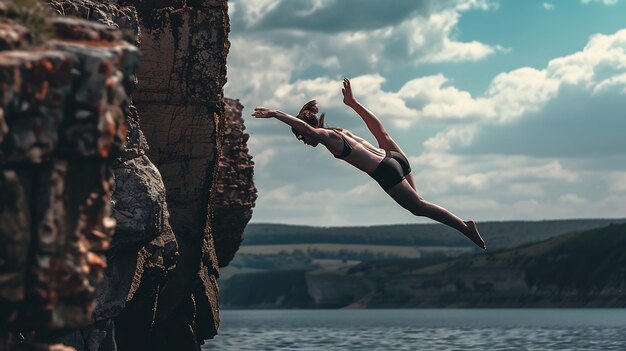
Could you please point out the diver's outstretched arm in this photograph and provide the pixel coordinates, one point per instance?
(373, 123)
(297, 124)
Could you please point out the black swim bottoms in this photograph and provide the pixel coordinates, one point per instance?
(391, 170)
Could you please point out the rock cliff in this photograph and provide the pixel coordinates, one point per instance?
(64, 86)
(235, 194)
(159, 290)
(180, 98)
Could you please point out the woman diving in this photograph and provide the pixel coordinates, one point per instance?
(386, 163)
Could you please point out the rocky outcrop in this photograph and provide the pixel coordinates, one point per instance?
(139, 201)
(64, 87)
(143, 251)
(109, 13)
(159, 289)
(184, 46)
(144, 248)
(235, 194)
(179, 98)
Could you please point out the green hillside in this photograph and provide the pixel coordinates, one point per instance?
(579, 260)
(577, 269)
(497, 234)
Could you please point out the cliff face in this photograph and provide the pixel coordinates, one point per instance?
(235, 194)
(63, 101)
(159, 289)
(179, 99)
(184, 46)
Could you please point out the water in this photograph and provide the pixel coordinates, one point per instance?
(422, 329)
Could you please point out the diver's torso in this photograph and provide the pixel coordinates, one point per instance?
(364, 155)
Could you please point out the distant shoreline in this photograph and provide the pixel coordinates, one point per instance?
(564, 264)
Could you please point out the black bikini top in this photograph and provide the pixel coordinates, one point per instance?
(347, 149)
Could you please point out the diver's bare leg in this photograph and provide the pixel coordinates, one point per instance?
(409, 178)
(406, 197)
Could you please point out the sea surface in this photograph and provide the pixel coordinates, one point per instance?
(422, 329)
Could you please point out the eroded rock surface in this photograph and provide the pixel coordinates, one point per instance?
(179, 97)
(235, 194)
(144, 248)
(63, 102)
(184, 45)
(160, 286)
(109, 13)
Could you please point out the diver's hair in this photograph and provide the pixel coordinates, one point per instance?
(308, 113)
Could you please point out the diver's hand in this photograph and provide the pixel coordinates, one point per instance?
(348, 98)
(263, 112)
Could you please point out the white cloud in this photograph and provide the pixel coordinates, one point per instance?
(605, 2)
(611, 83)
(572, 199)
(263, 66)
(587, 67)
(440, 173)
(253, 11)
(526, 189)
(263, 158)
(457, 136)
(327, 207)
(468, 204)
(256, 70)
(523, 90)
(509, 96)
(601, 65)
(472, 181)
(315, 5)
(486, 187)
(606, 207)
(432, 40)
(419, 37)
(616, 181)
(430, 97)
(548, 6)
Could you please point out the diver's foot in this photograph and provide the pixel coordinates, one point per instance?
(474, 235)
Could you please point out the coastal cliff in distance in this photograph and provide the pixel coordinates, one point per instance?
(577, 269)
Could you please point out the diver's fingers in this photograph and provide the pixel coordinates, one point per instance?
(262, 112)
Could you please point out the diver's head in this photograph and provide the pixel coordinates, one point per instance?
(308, 113)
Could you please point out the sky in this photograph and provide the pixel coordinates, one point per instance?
(506, 109)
